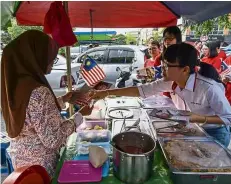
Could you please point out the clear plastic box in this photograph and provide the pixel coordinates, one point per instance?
(92, 125)
(83, 147)
(93, 136)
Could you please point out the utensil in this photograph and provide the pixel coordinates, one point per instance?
(133, 161)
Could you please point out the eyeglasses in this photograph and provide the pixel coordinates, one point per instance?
(166, 66)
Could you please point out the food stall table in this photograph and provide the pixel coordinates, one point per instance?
(161, 174)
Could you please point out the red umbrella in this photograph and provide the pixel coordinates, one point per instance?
(125, 14)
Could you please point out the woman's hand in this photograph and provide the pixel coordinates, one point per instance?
(86, 110)
(98, 94)
(67, 96)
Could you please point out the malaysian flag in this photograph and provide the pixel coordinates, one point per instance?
(224, 69)
(91, 72)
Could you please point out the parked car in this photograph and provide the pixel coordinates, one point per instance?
(111, 57)
(60, 60)
(75, 51)
(107, 57)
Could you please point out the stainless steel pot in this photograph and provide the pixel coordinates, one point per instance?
(133, 156)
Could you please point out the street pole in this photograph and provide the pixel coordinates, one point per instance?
(68, 57)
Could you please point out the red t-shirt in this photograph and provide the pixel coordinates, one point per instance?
(150, 62)
(228, 60)
(222, 55)
(216, 62)
(228, 91)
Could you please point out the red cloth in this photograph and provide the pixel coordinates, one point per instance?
(228, 60)
(216, 62)
(222, 55)
(151, 62)
(228, 92)
(58, 25)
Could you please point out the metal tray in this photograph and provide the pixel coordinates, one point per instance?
(135, 113)
(134, 102)
(177, 132)
(204, 175)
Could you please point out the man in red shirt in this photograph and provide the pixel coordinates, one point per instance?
(221, 53)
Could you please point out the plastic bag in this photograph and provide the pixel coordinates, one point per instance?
(97, 156)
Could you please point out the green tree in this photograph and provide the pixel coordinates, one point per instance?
(120, 39)
(15, 30)
(206, 27)
(130, 39)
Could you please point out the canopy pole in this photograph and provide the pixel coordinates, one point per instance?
(68, 57)
(91, 21)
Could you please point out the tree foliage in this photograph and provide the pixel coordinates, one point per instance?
(207, 27)
(15, 30)
(130, 39)
(120, 39)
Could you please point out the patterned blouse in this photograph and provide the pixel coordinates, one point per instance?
(43, 134)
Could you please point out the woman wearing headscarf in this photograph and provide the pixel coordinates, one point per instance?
(30, 108)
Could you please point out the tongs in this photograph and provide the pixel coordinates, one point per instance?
(177, 126)
(127, 128)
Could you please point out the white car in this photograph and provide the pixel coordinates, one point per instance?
(58, 76)
(107, 57)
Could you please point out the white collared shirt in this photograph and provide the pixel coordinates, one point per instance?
(201, 96)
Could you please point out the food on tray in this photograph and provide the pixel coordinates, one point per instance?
(94, 136)
(175, 128)
(197, 155)
(169, 113)
(96, 127)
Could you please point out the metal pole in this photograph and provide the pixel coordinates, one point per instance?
(91, 21)
(68, 57)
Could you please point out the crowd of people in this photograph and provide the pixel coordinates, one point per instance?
(190, 77)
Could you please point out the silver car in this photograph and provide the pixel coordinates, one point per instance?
(107, 57)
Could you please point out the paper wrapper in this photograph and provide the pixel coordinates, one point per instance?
(97, 156)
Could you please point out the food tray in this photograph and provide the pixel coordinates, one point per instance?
(200, 175)
(192, 130)
(128, 113)
(196, 155)
(93, 136)
(157, 101)
(90, 125)
(123, 102)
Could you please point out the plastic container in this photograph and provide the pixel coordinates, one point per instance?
(91, 125)
(83, 147)
(79, 171)
(105, 167)
(94, 136)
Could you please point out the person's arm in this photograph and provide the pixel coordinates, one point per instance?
(219, 104)
(144, 90)
(46, 119)
(195, 118)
